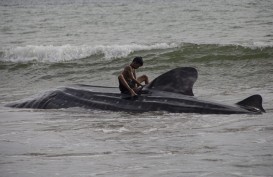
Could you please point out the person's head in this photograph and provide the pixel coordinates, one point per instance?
(137, 62)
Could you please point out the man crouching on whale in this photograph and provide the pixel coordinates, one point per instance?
(128, 82)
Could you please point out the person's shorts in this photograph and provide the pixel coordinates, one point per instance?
(123, 89)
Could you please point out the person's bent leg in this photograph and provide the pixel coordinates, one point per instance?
(143, 78)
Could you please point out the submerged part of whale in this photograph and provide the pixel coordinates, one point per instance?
(171, 92)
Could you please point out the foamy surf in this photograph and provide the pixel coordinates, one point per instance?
(69, 52)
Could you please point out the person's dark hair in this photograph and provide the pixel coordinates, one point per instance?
(138, 60)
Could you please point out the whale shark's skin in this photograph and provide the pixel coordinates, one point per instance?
(170, 92)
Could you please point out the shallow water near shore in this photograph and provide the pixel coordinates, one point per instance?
(50, 44)
(77, 142)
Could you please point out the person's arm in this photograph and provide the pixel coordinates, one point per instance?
(123, 81)
(132, 75)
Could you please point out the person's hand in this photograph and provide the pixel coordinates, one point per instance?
(133, 93)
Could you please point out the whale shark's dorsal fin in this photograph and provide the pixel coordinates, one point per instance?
(179, 80)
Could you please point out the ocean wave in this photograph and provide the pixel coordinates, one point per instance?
(69, 52)
(191, 51)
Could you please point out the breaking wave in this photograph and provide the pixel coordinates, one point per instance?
(70, 52)
(189, 51)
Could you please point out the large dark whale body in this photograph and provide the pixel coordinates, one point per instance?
(171, 92)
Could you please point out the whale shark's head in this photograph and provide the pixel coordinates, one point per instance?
(179, 80)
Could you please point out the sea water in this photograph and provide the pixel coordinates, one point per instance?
(53, 43)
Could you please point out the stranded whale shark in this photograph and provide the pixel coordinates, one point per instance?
(170, 92)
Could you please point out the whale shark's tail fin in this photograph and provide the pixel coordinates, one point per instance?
(253, 102)
(179, 80)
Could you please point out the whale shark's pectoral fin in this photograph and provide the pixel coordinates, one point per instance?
(252, 102)
(179, 80)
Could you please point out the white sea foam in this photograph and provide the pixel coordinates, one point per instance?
(108, 52)
(70, 52)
